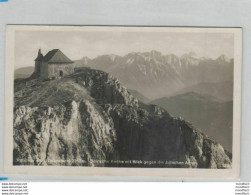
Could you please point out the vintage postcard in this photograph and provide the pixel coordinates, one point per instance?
(123, 101)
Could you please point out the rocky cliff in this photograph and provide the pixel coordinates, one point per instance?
(89, 119)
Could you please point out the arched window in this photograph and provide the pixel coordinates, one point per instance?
(61, 73)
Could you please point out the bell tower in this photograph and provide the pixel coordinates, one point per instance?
(38, 61)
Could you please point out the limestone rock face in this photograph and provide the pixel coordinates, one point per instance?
(150, 133)
(70, 134)
(89, 119)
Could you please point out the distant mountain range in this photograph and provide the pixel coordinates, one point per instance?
(206, 112)
(24, 72)
(155, 75)
(223, 91)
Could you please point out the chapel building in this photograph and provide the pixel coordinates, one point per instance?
(54, 64)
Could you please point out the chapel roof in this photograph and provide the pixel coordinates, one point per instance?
(56, 56)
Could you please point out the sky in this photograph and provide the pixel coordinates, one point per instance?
(77, 44)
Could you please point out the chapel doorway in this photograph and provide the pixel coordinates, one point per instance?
(61, 73)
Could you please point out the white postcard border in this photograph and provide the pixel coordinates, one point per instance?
(124, 172)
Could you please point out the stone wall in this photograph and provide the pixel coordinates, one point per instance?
(37, 66)
(44, 70)
(59, 70)
(48, 71)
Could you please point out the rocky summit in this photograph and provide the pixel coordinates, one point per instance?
(89, 119)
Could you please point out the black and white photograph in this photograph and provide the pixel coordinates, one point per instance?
(138, 98)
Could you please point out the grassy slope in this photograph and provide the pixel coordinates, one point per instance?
(47, 93)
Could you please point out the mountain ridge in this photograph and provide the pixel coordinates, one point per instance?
(23, 72)
(222, 91)
(210, 114)
(155, 75)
